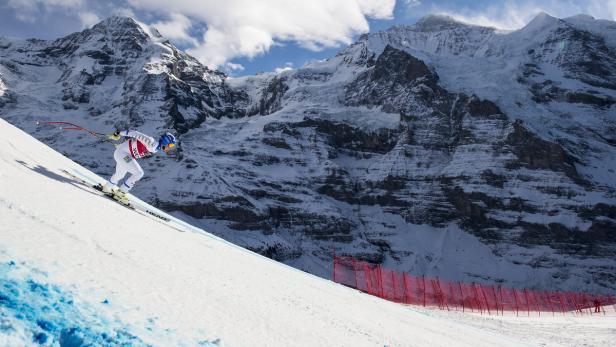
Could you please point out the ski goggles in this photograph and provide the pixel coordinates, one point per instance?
(168, 146)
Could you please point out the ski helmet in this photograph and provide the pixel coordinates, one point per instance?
(167, 141)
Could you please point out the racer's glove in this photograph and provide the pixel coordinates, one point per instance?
(115, 136)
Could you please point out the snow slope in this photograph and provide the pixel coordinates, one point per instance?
(79, 268)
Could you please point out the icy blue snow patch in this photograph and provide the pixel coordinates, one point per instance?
(34, 312)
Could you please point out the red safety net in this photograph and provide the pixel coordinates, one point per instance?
(473, 297)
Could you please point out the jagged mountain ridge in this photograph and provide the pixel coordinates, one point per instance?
(425, 147)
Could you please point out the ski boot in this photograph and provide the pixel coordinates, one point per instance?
(108, 188)
(120, 197)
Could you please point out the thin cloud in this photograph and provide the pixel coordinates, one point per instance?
(288, 66)
(30, 10)
(245, 28)
(234, 67)
(124, 11)
(88, 18)
(603, 9)
(511, 15)
(176, 28)
(411, 3)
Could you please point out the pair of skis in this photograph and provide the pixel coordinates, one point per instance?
(133, 203)
(126, 201)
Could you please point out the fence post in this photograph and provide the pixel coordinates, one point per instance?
(435, 294)
(571, 296)
(562, 304)
(453, 295)
(443, 295)
(515, 297)
(354, 272)
(334, 270)
(547, 294)
(393, 283)
(573, 299)
(436, 287)
(532, 292)
(485, 298)
(495, 299)
(423, 279)
(368, 276)
(584, 302)
(439, 291)
(407, 297)
(527, 305)
(580, 302)
(378, 269)
(477, 297)
(461, 295)
(500, 291)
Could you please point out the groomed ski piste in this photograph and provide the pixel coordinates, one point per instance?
(77, 268)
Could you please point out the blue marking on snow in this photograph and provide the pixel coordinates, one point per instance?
(49, 316)
(36, 312)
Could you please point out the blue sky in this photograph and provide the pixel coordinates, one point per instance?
(243, 37)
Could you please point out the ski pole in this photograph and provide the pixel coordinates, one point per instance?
(72, 126)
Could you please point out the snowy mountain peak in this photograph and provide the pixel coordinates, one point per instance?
(128, 25)
(118, 26)
(118, 23)
(115, 36)
(542, 20)
(438, 22)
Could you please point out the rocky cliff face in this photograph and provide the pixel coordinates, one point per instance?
(439, 148)
(117, 67)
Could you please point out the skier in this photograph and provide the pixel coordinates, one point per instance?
(126, 154)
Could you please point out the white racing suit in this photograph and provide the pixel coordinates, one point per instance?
(138, 146)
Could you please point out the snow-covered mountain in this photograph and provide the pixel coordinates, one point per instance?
(439, 148)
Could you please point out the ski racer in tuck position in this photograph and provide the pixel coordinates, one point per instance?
(126, 154)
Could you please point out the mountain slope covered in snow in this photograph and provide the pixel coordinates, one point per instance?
(439, 148)
(79, 269)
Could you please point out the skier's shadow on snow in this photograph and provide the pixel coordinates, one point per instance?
(50, 174)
